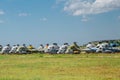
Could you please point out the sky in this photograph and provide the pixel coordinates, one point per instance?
(48, 21)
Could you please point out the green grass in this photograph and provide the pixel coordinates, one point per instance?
(60, 67)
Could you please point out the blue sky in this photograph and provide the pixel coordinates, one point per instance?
(47, 21)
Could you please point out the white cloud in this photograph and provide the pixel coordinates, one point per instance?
(24, 14)
(87, 7)
(84, 19)
(43, 19)
(2, 12)
(1, 21)
(119, 17)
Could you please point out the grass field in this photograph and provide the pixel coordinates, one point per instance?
(60, 67)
